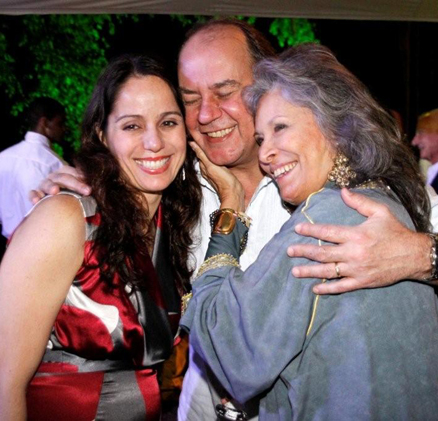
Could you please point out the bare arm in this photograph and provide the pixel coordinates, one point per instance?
(66, 177)
(36, 272)
(379, 252)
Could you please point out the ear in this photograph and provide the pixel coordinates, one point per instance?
(42, 125)
(101, 136)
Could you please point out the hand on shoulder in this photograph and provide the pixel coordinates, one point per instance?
(376, 253)
(66, 177)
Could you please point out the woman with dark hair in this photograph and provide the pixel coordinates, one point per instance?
(90, 287)
(364, 355)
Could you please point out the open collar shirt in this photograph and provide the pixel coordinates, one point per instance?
(22, 168)
(266, 210)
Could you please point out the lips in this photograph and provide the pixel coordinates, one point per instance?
(220, 133)
(279, 172)
(153, 165)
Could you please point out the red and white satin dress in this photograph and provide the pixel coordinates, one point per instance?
(104, 347)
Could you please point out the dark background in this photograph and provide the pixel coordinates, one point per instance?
(398, 61)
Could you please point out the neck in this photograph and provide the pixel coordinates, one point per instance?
(152, 201)
(249, 178)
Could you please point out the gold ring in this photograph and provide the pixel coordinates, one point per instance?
(338, 271)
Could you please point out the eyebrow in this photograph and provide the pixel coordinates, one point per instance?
(227, 82)
(218, 85)
(165, 114)
(187, 91)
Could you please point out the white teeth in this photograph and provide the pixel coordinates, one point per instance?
(152, 165)
(221, 133)
(285, 169)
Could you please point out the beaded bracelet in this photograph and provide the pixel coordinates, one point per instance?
(433, 257)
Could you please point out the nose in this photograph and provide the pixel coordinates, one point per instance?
(267, 152)
(209, 111)
(416, 140)
(152, 140)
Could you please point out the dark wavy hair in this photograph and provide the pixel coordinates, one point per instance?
(310, 76)
(124, 232)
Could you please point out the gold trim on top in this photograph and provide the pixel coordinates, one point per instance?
(315, 304)
(217, 261)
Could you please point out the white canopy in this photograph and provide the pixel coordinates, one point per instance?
(404, 10)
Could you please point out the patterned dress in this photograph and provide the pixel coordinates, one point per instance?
(104, 348)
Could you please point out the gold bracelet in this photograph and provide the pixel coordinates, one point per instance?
(217, 261)
(241, 216)
(223, 221)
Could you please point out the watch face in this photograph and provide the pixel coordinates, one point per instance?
(227, 413)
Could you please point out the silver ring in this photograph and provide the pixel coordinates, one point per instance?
(338, 271)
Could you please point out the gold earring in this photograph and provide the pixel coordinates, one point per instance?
(341, 173)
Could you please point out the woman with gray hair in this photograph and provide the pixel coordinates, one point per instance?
(368, 354)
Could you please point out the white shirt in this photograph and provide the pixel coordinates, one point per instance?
(22, 168)
(198, 397)
(434, 205)
(432, 172)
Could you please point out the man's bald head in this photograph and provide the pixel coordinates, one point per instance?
(215, 65)
(258, 46)
(426, 137)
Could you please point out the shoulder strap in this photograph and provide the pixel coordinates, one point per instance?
(89, 206)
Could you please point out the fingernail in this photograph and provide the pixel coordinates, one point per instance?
(296, 272)
(315, 289)
(298, 227)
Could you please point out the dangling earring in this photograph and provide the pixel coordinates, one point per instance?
(183, 174)
(341, 173)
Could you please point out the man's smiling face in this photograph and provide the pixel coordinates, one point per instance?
(214, 67)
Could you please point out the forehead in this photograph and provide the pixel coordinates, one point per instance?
(272, 104)
(275, 105)
(214, 55)
(144, 91)
(428, 124)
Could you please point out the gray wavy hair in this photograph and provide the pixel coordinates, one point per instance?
(310, 76)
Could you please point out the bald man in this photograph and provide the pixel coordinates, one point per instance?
(426, 140)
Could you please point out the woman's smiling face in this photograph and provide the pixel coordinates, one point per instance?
(146, 134)
(293, 150)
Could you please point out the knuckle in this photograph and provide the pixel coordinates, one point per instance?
(384, 209)
(326, 231)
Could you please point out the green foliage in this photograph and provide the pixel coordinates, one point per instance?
(291, 32)
(68, 57)
(287, 31)
(8, 79)
(187, 21)
(59, 56)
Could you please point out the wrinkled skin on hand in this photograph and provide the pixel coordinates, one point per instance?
(66, 177)
(379, 252)
(227, 186)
